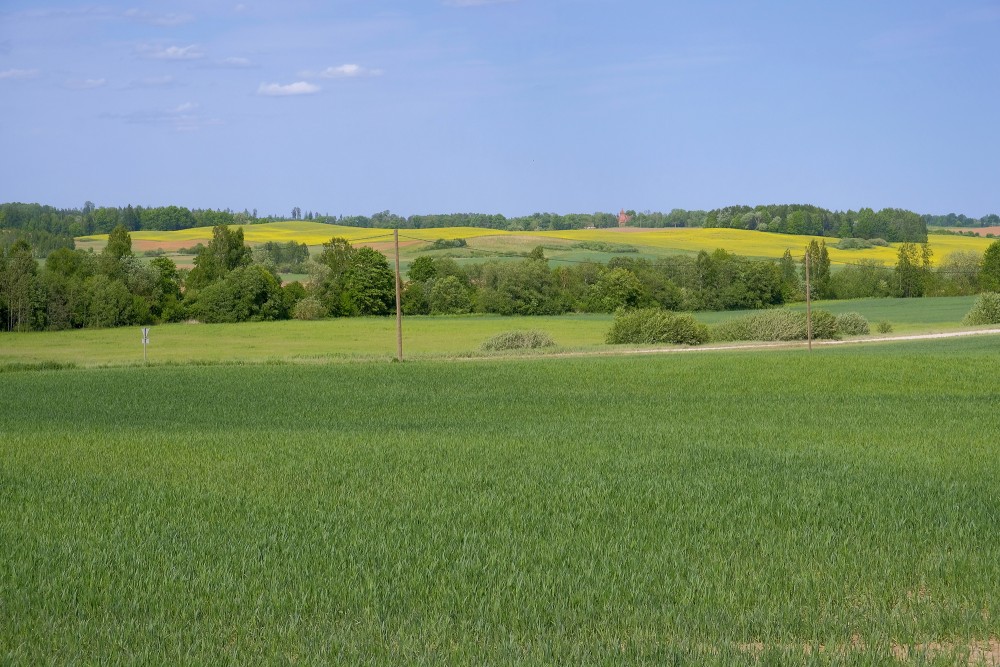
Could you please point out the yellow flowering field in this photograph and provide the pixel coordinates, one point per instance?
(654, 241)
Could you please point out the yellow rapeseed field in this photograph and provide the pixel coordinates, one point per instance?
(742, 242)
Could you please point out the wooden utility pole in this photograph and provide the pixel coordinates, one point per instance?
(809, 317)
(399, 309)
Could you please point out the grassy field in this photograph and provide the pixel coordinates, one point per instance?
(375, 338)
(695, 509)
(561, 245)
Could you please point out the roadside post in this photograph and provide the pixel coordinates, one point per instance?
(145, 342)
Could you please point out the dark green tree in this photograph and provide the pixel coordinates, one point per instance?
(989, 274)
(224, 253)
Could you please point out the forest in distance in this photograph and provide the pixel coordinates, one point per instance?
(232, 282)
(47, 228)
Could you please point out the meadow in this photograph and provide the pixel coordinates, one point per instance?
(561, 246)
(374, 338)
(838, 507)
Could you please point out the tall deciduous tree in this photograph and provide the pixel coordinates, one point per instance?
(224, 253)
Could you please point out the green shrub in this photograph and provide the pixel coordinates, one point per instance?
(854, 244)
(852, 324)
(652, 326)
(884, 327)
(517, 340)
(309, 308)
(776, 325)
(986, 310)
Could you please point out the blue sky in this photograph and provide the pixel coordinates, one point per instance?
(501, 106)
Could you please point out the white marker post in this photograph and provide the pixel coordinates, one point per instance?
(145, 342)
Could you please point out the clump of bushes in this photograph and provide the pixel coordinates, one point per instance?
(860, 244)
(517, 340)
(776, 325)
(444, 244)
(852, 324)
(986, 310)
(884, 327)
(309, 308)
(603, 246)
(652, 326)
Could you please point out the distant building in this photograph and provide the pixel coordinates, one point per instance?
(623, 218)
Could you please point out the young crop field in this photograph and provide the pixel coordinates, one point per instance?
(838, 507)
(358, 338)
(650, 243)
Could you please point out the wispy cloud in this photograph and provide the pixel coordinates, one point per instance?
(86, 84)
(152, 18)
(234, 63)
(19, 74)
(165, 81)
(161, 52)
(347, 71)
(184, 117)
(279, 90)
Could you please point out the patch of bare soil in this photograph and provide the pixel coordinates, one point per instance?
(981, 653)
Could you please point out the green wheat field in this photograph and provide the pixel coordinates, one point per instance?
(780, 507)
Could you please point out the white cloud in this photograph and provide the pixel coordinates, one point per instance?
(234, 62)
(164, 20)
(279, 90)
(19, 74)
(159, 52)
(347, 71)
(154, 82)
(240, 8)
(86, 84)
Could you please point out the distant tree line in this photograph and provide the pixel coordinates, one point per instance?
(959, 220)
(46, 228)
(231, 282)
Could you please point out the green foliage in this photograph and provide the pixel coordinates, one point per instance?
(615, 289)
(864, 278)
(985, 311)
(989, 276)
(913, 270)
(248, 293)
(224, 253)
(448, 296)
(309, 308)
(852, 324)
(445, 244)
(776, 325)
(517, 340)
(288, 257)
(854, 244)
(423, 269)
(603, 246)
(884, 327)
(654, 326)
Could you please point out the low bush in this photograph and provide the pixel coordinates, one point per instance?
(517, 340)
(852, 324)
(309, 308)
(986, 310)
(884, 327)
(854, 244)
(652, 326)
(776, 325)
